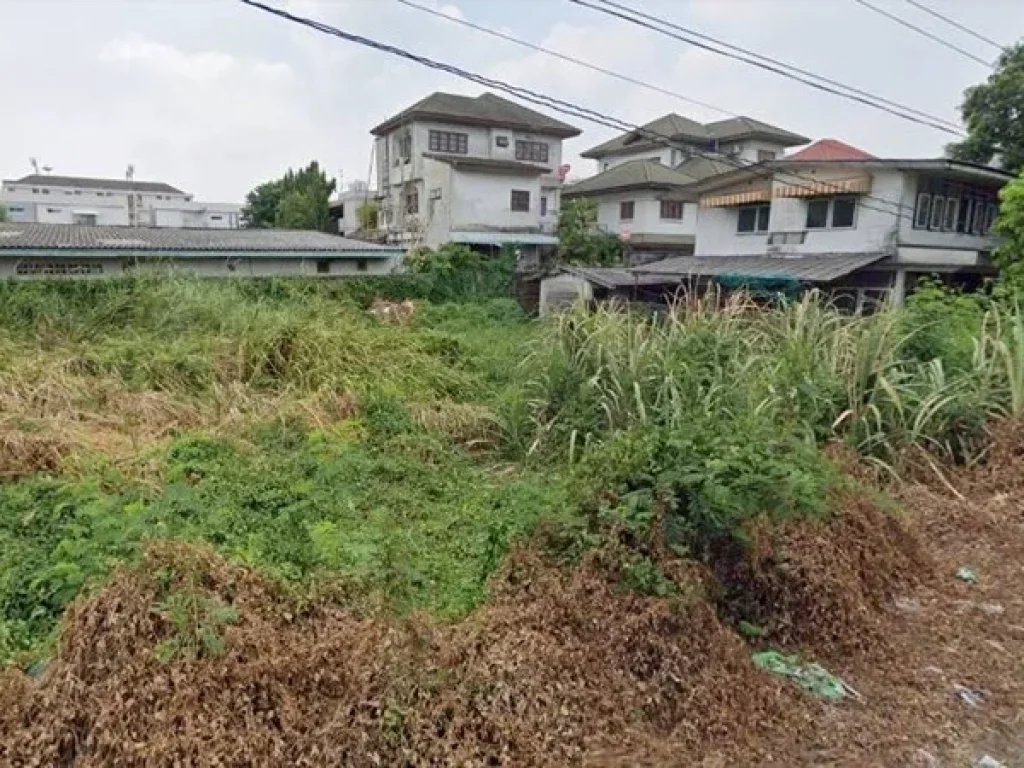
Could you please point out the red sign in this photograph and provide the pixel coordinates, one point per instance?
(563, 171)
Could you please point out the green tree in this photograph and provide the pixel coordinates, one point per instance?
(299, 200)
(3, 213)
(369, 216)
(580, 241)
(1010, 224)
(994, 115)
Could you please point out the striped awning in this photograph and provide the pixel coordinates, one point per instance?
(858, 185)
(736, 198)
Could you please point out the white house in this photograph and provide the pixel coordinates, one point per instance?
(49, 199)
(865, 228)
(672, 139)
(480, 171)
(345, 209)
(30, 251)
(648, 204)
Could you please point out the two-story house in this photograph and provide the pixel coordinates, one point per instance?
(481, 171)
(861, 227)
(673, 139)
(46, 199)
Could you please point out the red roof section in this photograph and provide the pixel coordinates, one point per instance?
(831, 149)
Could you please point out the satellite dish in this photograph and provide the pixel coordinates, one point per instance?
(47, 168)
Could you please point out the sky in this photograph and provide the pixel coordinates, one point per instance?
(216, 97)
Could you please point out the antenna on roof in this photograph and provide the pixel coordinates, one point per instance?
(35, 165)
(129, 175)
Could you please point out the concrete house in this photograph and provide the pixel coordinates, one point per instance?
(68, 251)
(46, 199)
(649, 204)
(861, 227)
(480, 171)
(739, 139)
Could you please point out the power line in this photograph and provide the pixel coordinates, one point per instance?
(778, 63)
(564, 57)
(957, 24)
(651, 22)
(925, 33)
(534, 97)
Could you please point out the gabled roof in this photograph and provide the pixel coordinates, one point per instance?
(635, 174)
(704, 167)
(72, 237)
(485, 109)
(82, 182)
(831, 149)
(684, 130)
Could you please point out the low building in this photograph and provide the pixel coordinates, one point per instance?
(45, 199)
(48, 251)
(673, 139)
(866, 229)
(648, 204)
(345, 208)
(480, 171)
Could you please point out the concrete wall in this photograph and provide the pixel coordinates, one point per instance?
(58, 205)
(562, 292)
(646, 215)
(483, 199)
(105, 267)
(664, 155)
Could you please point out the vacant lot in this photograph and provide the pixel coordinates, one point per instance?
(260, 523)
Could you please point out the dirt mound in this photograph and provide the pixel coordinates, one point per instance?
(557, 669)
(821, 584)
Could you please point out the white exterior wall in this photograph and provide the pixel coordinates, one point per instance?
(646, 215)
(747, 149)
(58, 205)
(471, 200)
(664, 155)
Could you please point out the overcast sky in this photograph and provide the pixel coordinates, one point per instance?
(215, 97)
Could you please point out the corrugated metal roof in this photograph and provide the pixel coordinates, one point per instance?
(503, 238)
(811, 268)
(485, 109)
(82, 182)
(616, 277)
(57, 237)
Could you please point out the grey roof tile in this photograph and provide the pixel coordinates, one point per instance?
(82, 182)
(486, 109)
(57, 237)
(634, 174)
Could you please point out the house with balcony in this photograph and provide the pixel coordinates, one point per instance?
(47, 199)
(648, 204)
(862, 228)
(673, 139)
(482, 171)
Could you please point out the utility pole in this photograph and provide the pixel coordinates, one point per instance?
(133, 220)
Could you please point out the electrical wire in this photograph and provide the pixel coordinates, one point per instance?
(634, 17)
(925, 33)
(957, 24)
(773, 62)
(565, 57)
(550, 102)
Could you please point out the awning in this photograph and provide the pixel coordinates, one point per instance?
(858, 185)
(736, 198)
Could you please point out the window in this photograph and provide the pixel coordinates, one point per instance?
(627, 210)
(532, 151)
(963, 219)
(16, 209)
(361, 265)
(46, 191)
(654, 160)
(978, 225)
(520, 201)
(78, 191)
(159, 197)
(924, 211)
(58, 268)
(84, 219)
(764, 155)
(952, 211)
(753, 218)
(501, 141)
(323, 267)
(938, 212)
(543, 206)
(412, 203)
(817, 214)
(341, 211)
(54, 210)
(844, 212)
(991, 214)
(68, 192)
(452, 143)
(672, 209)
(216, 218)
(403, 148)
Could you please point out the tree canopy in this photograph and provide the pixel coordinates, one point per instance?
(299, 200)
(3, 213)
(994, 115)
(1010, 224)
(580, 242)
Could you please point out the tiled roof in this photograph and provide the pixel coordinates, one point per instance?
(811, 268)
(684, 130)
(486, 109)
(112, 185)
(831, 149)
(634, 174)
(57, 237)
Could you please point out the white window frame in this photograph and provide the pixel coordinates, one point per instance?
(924, 201)
(757, 219)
